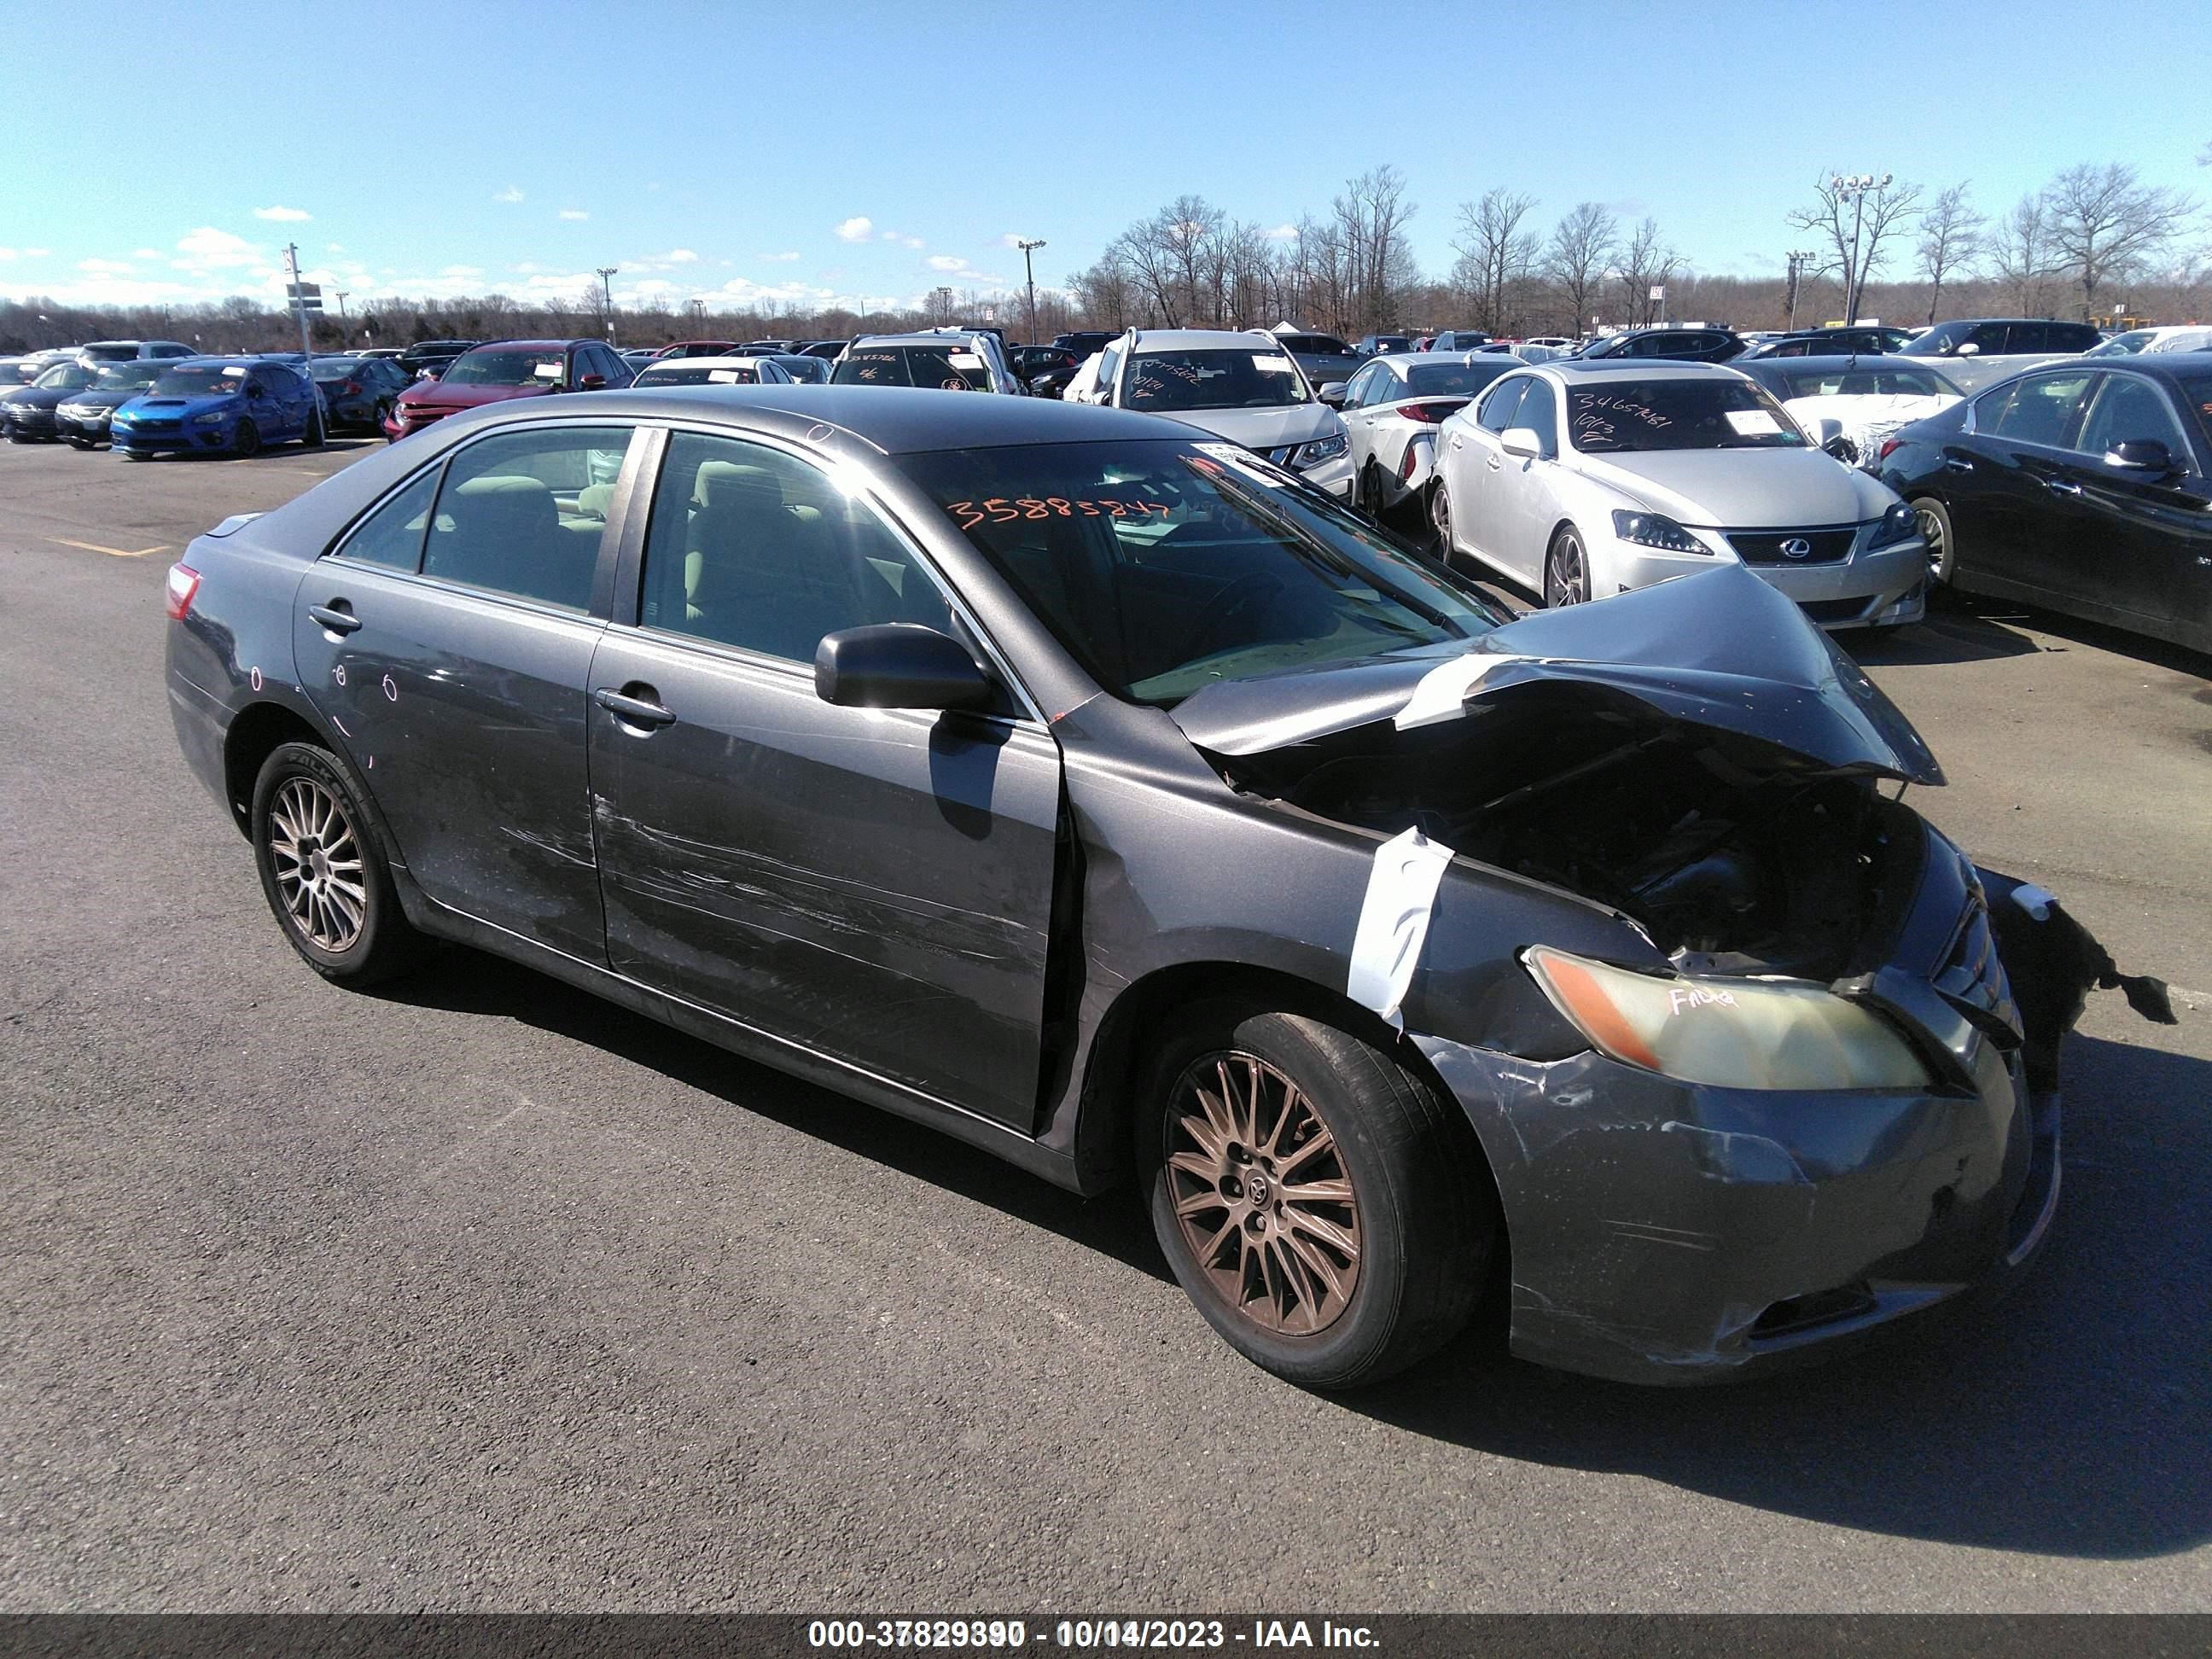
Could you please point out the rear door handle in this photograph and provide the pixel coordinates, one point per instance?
(643, 711)
(1495, 463)
(1456, 441)
(336, 615)
(1957, 464)
(2062, 486)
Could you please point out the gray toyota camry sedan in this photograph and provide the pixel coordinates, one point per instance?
(1106, 797)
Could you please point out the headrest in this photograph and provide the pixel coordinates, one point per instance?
(727, 484)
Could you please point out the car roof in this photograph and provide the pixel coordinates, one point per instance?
(897, 420)
(2167, 366)
(1636, 369)
(530, 345)
(923, 337)
(1203, 339)
(727, 360)
(1868, 361)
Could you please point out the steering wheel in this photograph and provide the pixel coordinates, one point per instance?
(1231, 601)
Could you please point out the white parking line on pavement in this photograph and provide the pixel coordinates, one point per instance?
(118, 552)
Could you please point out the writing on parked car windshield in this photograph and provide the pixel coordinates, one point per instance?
(501, 367)
(1168, 381)
(1626, 416)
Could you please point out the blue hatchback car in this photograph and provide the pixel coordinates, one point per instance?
(231, 405)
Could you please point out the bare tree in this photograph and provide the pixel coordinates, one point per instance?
(1645, 264)
(1494, 251)
(1370, 220)
(1857, 225)
(1583, 245)
(2022, 256)
(1950, 241)
(2105, 224)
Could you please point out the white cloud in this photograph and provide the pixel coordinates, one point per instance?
(334, 247)
(780, 258)
(904, 240)
(960, 268)
(945, 262)
(856, 229)
(1283, 233)
(1014, 238)
(8, 254)
(143, 253)
(574, 215)
(210, 249)
(288, 216)
(510, 196)
(682, 256)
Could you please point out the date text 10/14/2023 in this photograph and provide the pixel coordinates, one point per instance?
(1085, 1634)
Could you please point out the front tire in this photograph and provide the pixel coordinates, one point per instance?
(246, 442)
(1328, 1214)
(1566, 571)
(324, 879)
(1440, 520)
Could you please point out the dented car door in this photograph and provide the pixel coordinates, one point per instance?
(873, 884)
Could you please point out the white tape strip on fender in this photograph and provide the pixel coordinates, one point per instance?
(1441, 693)
(2036, 901)
(1394, 921)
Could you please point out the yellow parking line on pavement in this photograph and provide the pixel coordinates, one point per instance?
(118, 552)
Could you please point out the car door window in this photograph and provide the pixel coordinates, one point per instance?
(752, 547)
(522, 512)
(1504, 402)
(2037, 409)
(1109, 362)
(392, 536)
(1988, 340)
(1540, 415)
(2127, 408)
(1367, 388)
(2023, 337)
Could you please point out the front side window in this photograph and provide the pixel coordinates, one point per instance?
(522, 513)
(753, 547)
(1163, 566)
(1499, 408)
(2036, 410)
(1538, 414)
(2196, 397)
(506, 368)
(1621, 416)
(2128, 409)
(1365, 387)
(1988, 340)
(1229, 377)
(65, 377)
(392, 535)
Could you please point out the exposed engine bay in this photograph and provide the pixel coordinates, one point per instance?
(1734, 855)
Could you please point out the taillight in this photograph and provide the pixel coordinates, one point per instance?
(1430, 414)
(1406, 461)
(1887, 446)
(184, 582)
(351, 388)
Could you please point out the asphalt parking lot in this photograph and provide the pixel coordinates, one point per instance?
(478, 1293)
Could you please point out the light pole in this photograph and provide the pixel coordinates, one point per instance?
(1028, 270)
(341, 293)
(1798, 261)
(1858, 186)
(607, 290)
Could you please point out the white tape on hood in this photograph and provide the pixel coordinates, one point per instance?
(1394, 921)
(1441, 693)
(2036, 901)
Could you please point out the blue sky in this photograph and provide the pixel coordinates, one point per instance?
(488, 144)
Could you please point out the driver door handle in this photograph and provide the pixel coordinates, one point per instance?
(1957, 464)
(2062, 486)
(643, 711)
(336, 615)
(1495, 463)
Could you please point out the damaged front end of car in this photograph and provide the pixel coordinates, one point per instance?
(1793, 1098)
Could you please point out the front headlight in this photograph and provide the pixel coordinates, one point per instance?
(1728, 1033)
(1319, 450)
(1655, 530)
(215, 419)
(1899, 524)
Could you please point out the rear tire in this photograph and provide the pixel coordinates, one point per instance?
(312, 437)
(325, 881)
(1327, 1212)
(1935, 520)
(1440, 520)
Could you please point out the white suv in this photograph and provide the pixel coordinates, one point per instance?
(1239, 384)
(948, 359)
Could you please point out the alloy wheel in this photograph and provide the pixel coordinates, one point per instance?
(1440, 521)
(1567, 579)
(317, 861)
(1261, 1195)
(1931, 531)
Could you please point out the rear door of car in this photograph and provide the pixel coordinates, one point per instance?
(447, 641)
(871, 885)
(2009, 516)
(2139, 540)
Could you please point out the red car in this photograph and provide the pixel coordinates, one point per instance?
(502, 369)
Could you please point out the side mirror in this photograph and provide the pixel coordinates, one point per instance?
(897, 666)
(592, 383)
(1824, 433)
(2140, 455)
(1523, 440)
(1332, 394)
(1969, 350)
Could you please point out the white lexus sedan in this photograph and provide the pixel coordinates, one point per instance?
(1581, 480)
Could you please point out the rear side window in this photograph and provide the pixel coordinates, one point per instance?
(2037, 410)
(522, 512)
(392, 535)
(752, 547)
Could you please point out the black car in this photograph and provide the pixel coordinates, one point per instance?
(2082, 486)
(1083, 342)
(1382, 345)
(82, 417)
(433, 354)
(2001, 336)
(1045, 370)
(1101, 796)
(1692, 346)
(358, 393)
(1322, 356)
(27, 413)
(832, 350)
(1854, 340)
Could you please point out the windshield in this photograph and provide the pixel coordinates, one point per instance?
(212, 380)
(128, 377)
(109, 354)
(1625, 415)
(1454, 380)
(65, 377)
(1218, 378)
(1887, 382)
(1165, 566)
(947, 368)
(503, 368)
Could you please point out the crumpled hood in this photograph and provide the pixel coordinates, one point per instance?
(1869, 414)
(446, 399)
(1742, 488)
(1265, 428)
(1724, 649)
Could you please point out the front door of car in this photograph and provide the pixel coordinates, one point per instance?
(1477, 464)
(873, 884)
(2141, 534)
(447, 641)
(1524, 503)
(1360, 393)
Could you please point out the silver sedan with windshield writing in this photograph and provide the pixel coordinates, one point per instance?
(1581, 480)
